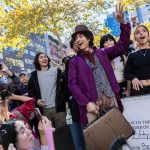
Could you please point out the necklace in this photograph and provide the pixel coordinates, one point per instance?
(144, 54)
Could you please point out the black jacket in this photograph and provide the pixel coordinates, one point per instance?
(34, 90)
(23, 89)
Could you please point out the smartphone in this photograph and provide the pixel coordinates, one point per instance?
(37, 113)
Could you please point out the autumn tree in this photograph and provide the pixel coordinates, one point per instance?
(20, 18)
(132, 5)
(103, 31)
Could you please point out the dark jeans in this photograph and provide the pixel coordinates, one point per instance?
(74, 108)
(77, 136)
(142, 91)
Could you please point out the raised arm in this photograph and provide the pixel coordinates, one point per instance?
(124, 41)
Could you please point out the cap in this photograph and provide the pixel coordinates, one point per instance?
(23, 73)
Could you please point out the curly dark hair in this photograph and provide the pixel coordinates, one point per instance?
(36, 61)
(88, 36)
(71, 43)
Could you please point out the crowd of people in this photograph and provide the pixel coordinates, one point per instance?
(92, 80)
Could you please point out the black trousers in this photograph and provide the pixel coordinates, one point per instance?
(142, 91)
(123, 87)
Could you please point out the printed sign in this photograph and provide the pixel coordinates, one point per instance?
(137, 112)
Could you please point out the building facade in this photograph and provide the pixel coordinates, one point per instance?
(45, 43)
(25, 62)
(142, 14)
(145, 13)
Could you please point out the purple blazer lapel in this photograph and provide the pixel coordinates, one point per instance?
(104, 60)
(82, 61)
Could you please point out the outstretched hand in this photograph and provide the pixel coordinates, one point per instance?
(119, 14)
(4, 67)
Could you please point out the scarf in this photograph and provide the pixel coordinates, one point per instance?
(89, 55)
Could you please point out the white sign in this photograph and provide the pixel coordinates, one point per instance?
(137, 112)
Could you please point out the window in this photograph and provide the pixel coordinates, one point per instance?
(10, 61)
(9, 49)
(1, 56)
(29, 70)
(26, 51)
(50, 43)
(19, 63)
(22, 68)
(29, 61)
(39, 47)
(15, 62)
(32, 53)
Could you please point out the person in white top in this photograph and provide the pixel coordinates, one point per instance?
(118, 63)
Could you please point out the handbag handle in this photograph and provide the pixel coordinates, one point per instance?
(102, 112)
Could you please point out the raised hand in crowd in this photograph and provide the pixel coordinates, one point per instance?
(43, 125)
(5, 69)
(119, 14)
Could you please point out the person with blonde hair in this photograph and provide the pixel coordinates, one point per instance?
(138, 63)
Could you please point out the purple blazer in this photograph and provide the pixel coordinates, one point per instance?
(80, 76)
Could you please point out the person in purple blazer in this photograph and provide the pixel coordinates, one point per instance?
(91, 79)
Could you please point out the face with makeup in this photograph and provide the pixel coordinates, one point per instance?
(141, 35)
(109, 43)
